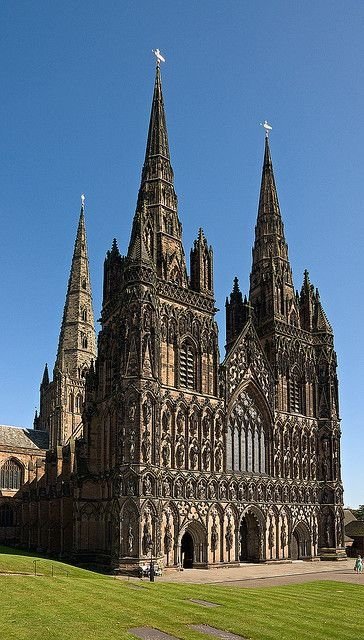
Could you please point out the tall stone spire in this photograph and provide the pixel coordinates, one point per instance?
(271, 286)
(156, 236)
(157, 142)
(77, 340)
(61, 400)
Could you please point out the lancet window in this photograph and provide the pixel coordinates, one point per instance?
(247, 444)
(187, 368)
(295, 392)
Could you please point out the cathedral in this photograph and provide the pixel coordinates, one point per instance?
(155, 447)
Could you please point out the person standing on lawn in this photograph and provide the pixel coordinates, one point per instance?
(358, 568)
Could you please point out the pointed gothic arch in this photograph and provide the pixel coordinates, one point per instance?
(193, 545)
(249, 439)
(11, 474)
(251, 535)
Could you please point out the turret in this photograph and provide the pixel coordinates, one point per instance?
(201, 261)
(237, 313)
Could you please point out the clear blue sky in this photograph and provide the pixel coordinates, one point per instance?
(76, 85)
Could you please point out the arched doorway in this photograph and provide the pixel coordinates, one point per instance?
(300, 543)
(187, 550)
(249, 536)
(193, 549)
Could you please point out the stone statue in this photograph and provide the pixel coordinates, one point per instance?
(214, 537)
(168, 539)
(180, 456)
(229, 539)
(130, 540)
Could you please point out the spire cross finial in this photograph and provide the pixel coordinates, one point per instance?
(158, 56)
(267, 128)
(83, 200)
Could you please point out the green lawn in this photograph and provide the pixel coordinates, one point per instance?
(89, 606)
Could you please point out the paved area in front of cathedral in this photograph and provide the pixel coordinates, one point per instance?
(266, 575)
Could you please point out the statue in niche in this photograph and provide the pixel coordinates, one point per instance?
(229, 538)
(189, 489)
(328, 524)
(168, 538)
(131, 411)
(206, 455)
(218, 429)
(200, 490)
(147, 412)
(218, 459)
(147, 538)
(146, 446)
(180, 422)
(211, 491)
(180, 456)
(166, 420)
(131, 487)
(194, 455)
(147, 319)
(178, 489)
(283, 535)
(206, 427)
(130, 540)
(166, 454)
(214, 536)
(132, 446)
(147, 486)
(314, 533)
(193, 424)
(271, 535)
(166, 487)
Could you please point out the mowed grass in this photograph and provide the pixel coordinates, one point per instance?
(88, 606)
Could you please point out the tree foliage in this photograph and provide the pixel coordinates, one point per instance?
(359, 513)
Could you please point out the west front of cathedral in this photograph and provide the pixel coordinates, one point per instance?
(148, 445)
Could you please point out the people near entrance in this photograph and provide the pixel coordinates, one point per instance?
(358, 567)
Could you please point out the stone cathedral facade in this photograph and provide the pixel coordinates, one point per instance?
(180, 456)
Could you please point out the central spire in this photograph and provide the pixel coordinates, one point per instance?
(157, 143)
(271, 286)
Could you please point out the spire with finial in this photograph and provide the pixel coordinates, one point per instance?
(156, 238)
(77, 340)
(270, 251)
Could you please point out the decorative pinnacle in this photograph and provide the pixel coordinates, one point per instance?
(267, 127)
(158, 56)
(83, 201)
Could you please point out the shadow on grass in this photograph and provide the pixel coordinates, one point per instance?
(15, 560)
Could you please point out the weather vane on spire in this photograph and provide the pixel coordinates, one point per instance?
(83, 200)
(159, 57)
(267, 128)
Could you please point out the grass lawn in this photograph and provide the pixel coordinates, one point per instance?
(87, 606)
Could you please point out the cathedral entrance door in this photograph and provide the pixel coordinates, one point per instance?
(249, 539)
(187, 550)
(300, 543)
